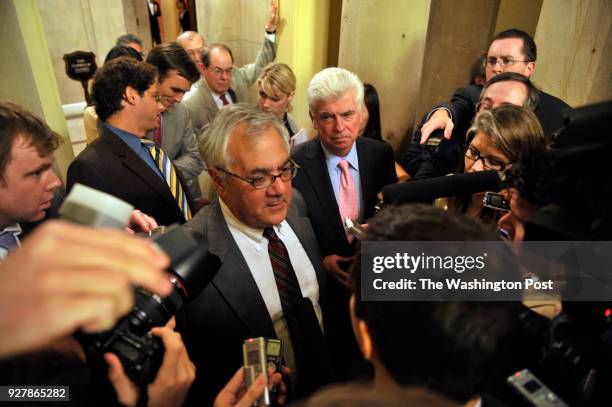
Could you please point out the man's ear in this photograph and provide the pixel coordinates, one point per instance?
(217, 179)
(529, 68)
(362, 333)
(130, 95)
(314, 122)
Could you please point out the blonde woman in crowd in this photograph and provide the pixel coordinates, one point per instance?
(276, 89)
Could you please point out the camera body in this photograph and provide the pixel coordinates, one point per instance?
(192, 267)
(140, 353)
(496, 201)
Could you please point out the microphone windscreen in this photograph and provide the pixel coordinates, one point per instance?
(90, 207)
(427, 190)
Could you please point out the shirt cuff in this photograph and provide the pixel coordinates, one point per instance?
(450, 114)
(270, 37)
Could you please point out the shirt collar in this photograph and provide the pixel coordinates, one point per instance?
(130, 139)
(253, 235)
(333, 160)
(15, 228)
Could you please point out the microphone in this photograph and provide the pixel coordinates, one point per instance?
(90, 207)
(427, 190)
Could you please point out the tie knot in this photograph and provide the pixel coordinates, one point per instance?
(224, 99)
(270, 234)
(344, 165)
(147, 143)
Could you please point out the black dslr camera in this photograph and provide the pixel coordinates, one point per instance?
(191, 269)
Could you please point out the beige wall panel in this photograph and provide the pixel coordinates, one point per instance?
(521, 14)
(86, 25)
(302, 36)
(573, 60)
(303, 40)
(66, 32)
(237, 23)
(17, 84)
(29, 72)
(108, 23)
(136, 16)
(383, 42)
(456, 36)
(601, 88)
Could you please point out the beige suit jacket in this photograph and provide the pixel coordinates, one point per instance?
(202, 106)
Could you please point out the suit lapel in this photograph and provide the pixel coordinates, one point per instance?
(365, 171)
(135, 164)
(316, 172)
(209, 100)
(233, 95)
(235, 281)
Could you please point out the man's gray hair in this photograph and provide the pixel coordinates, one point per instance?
(188, 36)
(330, 84)
(126, 39)
(213, 143)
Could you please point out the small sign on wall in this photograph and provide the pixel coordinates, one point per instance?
(81, 66)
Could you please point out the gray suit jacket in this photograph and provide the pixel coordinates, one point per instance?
(230, 309)
(202, 106)
(179, 143)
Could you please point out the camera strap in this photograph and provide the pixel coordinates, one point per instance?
(143, 396)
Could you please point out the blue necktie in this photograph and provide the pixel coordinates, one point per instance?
(169, 173)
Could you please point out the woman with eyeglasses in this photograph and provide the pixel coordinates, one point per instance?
(276, 89)
(497, 139)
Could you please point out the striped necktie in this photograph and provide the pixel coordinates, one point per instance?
(169, 173)
(289, 292)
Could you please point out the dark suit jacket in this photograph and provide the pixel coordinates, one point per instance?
(155, 33)
(422, 164)
(376, 169)
(231, 309)
(111, 166)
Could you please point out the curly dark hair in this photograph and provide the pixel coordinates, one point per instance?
(533, 177)
(110, 81)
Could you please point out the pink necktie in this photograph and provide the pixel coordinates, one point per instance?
(348, 198)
